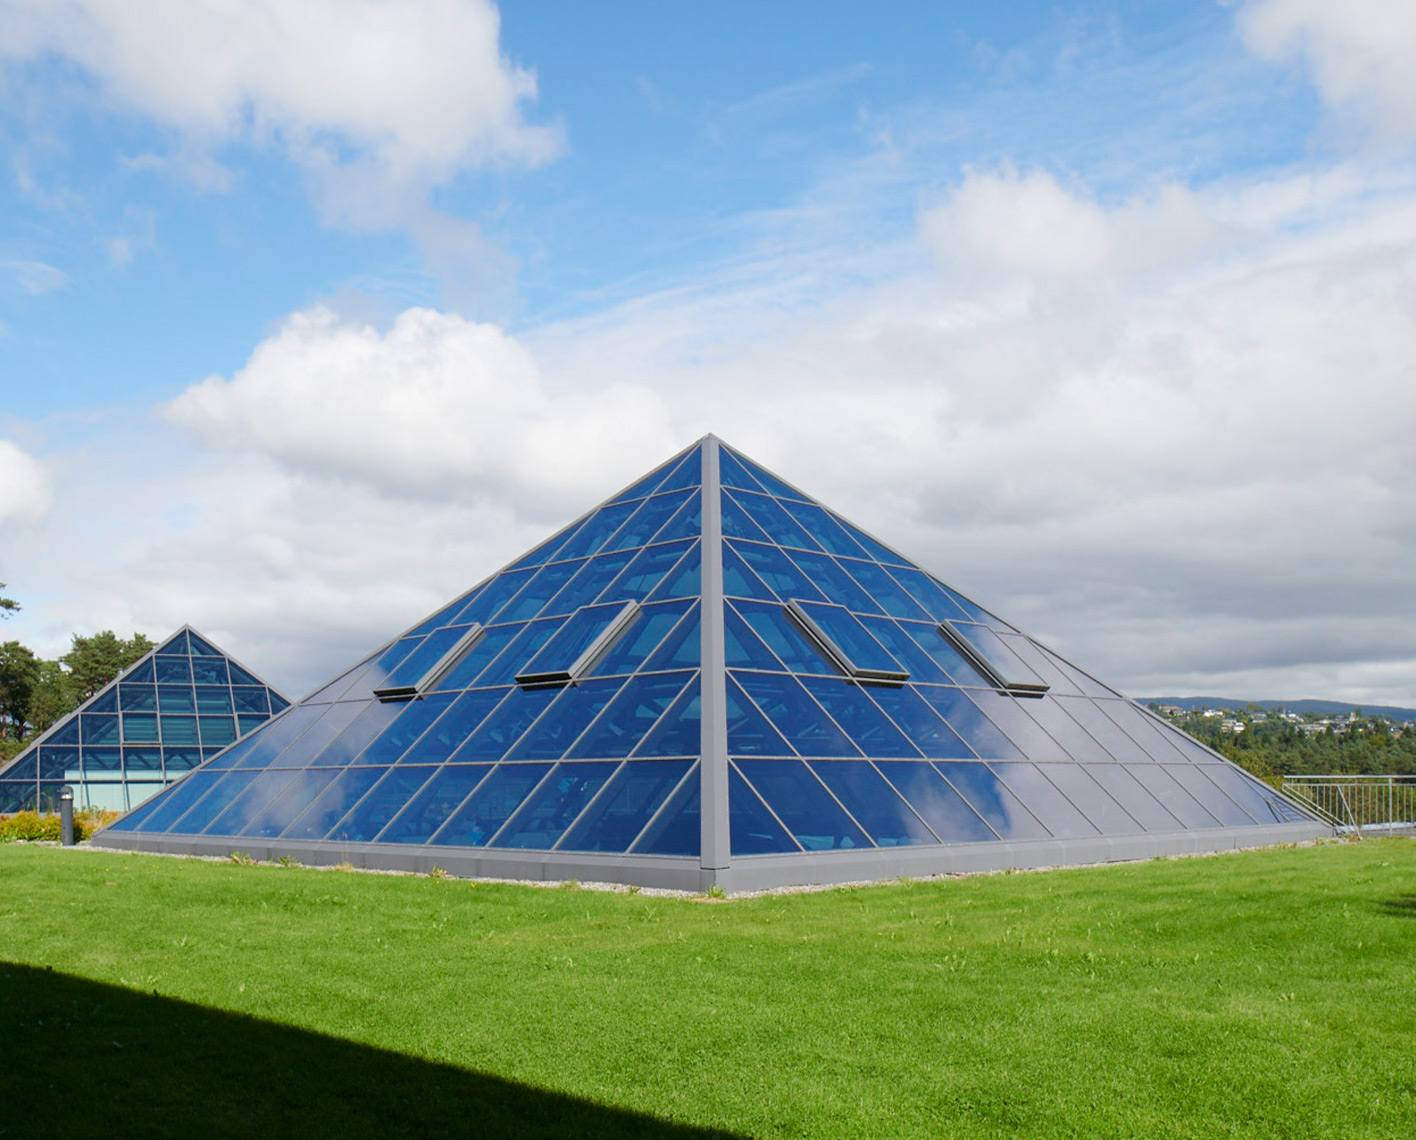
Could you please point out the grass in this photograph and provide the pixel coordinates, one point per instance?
(1263, 994)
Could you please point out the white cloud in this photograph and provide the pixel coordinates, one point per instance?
(26, 492)
(1362, 53)
(436, 405)
(35, 277)
(379, 102)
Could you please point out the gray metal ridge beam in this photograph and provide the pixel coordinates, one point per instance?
(715, 849)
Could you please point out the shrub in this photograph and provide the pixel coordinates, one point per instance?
(32, 826)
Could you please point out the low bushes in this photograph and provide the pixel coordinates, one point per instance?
(31, 825)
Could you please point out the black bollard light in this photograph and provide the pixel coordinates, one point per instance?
(66, 816)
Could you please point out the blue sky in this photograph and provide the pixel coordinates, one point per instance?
(1104, 312)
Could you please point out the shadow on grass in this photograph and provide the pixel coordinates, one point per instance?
(85, 1058)
(1404, 905)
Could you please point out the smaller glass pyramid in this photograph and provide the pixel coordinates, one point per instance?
(158, 720)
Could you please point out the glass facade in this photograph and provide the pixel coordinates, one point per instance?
(166, 714)
(864, 703)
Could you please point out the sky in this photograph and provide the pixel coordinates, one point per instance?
(312, 316)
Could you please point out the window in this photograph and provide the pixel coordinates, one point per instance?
(992, 656)
(846, 642)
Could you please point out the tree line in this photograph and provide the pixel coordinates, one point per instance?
(36, 692)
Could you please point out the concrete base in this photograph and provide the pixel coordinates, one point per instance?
(756, 872)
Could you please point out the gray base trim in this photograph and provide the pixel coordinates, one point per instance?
(758, 872)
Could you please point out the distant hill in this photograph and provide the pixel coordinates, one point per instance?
(1324, 708)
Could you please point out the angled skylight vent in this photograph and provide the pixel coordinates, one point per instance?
(429, 662)
(991, 655)
(590, 631)
(846, 642)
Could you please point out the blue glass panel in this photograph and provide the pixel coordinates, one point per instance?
(173, 670)
(137, 698)
(411, 721)
(633, 647)
(503, 728)
(217, 731)
(884, 589)
(965, 718)
(928, 593)
(744, 649)
(679, 731)
(778, 571)
(100, 760)
(782, 635)
(139, 728)
(682, 649)
(1175, 799)
(749, 734)
(838, 586)
(205, 671)
(644, 573)
(950, 661)
(16, 795)
(801, 802)
(523, 647)
(141, 673)
(496, 797)
(825, 529)
(628, 802)
(66, 733)
(1040, 663)
(294, 798)
(1006, 665)
(178, 698)
(560, 654)
(1139, 727)
(374, 718)
(684, 581)
(875, 804)
(105, 702)
(549, 549)
(1191, 777)
(735, 522)
(1025, 732)
(250, 701)
(1261, 802)
(769, 514)
(429, 809)
(1054, 810)
(25, 767)
(445, 616)
(208, 807)
(752, 829)
(278, 704)
(946, 812)
(731, 473)
(60, 763)
(795, 715)
(239, 676)
(483, 652)
(177, 760)
(646, 486)
(1139, 803)
(920, 723)
(863, 653)
(332, 804)
(554, 806)
(860, 717)
(537, 592)
(493, 596)
(574, 707)
(646, 521)
(213, 699)
(629, 716)
(976, 612)
(598, 530)
(586, 586)
(1078, 744)
(770, 483)
(179, 730)
(384, 801)
(877, 550)
(741, 582)
(991, 798)
(246, 722)
(162, 813)
(677, 829)
(434, 647)
(244, 806)
(689, 473)
(98, 729)
(196, 645)
(261, 749)
(1101, 810)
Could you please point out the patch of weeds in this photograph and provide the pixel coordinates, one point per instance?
(344, 866)
(717, 892)
(288, 861)
(438, 873)
(241, 859)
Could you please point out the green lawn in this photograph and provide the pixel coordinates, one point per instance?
(1264, 994)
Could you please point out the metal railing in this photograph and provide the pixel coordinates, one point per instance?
(1359, 805)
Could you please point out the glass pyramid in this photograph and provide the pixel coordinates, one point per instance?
(158, 720)
(712, 678)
